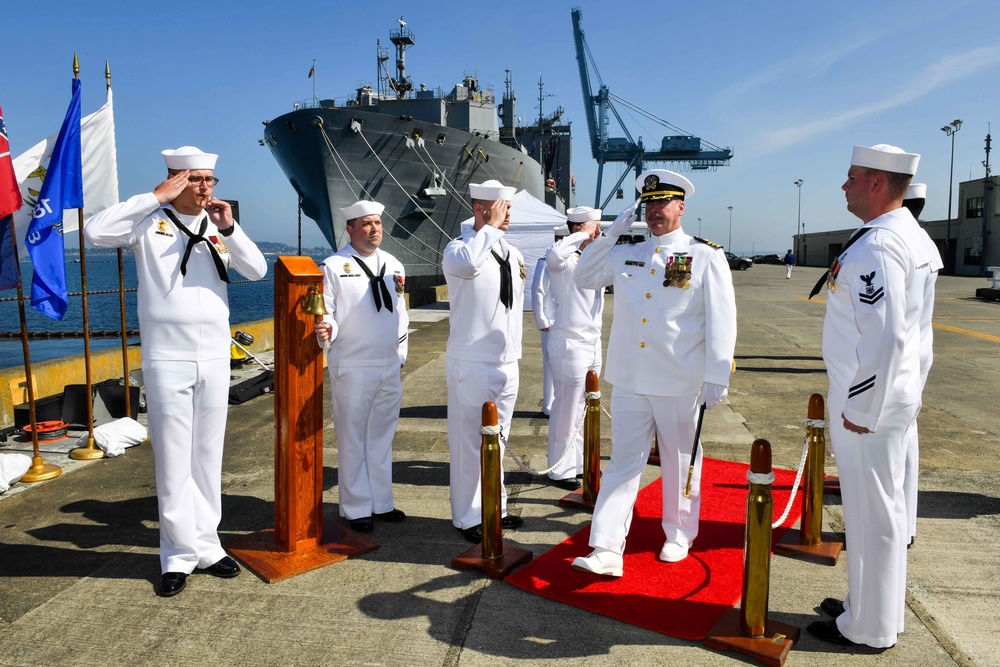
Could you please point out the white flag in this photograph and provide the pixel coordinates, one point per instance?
(100, 172)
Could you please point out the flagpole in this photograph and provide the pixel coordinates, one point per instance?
(39, 470)
(314, 82)
(91, 450)
(121, 296)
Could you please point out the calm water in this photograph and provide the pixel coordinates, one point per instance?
(248, 301)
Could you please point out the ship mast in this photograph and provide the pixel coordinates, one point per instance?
(402, 38)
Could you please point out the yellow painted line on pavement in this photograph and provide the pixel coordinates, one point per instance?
(968, 332)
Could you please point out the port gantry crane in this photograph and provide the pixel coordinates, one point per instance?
(678, 148)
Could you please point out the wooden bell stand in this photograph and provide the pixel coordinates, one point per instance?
(301, 539)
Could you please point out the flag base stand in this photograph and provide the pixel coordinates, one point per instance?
(577, 500)
(41, 471)
(262, 556)
(89, 453)
(495, 568)
(827, 552)
(771, 649)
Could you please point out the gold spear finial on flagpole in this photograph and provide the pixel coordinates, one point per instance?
(91, 450)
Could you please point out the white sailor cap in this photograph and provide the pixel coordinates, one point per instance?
(916, 191)
(885, 158)
(360, 209)
(660, 184)
(188, 157)
(491, 191)
(583, 214)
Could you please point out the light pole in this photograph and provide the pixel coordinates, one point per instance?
(699, 226)
(798, 224)
(730, 246)
(950, 129)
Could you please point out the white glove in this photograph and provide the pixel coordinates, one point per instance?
(623, 221)
(712, 394)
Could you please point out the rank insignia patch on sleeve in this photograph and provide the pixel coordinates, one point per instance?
(872, 294)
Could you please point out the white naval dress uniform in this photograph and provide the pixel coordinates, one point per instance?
(541, 307)
(872, 350)
(367, 349)
(574, 348)
(481, 358)
(184, 325)
(665, 343)
(912, 474)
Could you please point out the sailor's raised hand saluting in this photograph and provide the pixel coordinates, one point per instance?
(170, 189)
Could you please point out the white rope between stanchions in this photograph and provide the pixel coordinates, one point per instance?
(760, 477)
(795, 486)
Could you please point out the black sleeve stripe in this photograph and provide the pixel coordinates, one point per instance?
(862, 388)
(402, 338)
(870, 380)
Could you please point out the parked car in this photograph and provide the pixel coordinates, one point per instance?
(767, 259)
(737, 262)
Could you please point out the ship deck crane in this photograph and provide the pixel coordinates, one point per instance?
(682, 147)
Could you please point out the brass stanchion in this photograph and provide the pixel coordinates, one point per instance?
(747, 630)
(586, 496)
(808, 542)
(491, 557)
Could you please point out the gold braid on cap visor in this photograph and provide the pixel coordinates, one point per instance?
(657, 195)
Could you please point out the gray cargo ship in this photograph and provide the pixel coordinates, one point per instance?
(416, 151)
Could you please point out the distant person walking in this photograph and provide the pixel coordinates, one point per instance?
(789, 263)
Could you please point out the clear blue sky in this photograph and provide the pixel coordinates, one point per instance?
(790, 86)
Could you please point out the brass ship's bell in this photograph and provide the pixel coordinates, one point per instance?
(312, 303)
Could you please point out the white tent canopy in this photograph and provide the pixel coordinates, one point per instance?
(532, 230)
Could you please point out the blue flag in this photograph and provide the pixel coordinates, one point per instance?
(62, 189)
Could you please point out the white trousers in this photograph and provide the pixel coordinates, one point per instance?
(548, 384)
(911, 478)
(570, 360)
(366, 402)
(871, 468)
(634, 418)
(187, 406)
(788, 270)
(470, 384)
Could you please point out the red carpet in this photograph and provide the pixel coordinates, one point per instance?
(679, 599)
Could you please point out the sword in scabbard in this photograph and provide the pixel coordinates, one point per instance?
(694, 450)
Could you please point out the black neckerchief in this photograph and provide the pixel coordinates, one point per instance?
(377, 282)
(195, 239)
(822, 279)
(506, 280)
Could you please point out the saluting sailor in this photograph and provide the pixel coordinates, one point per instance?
(878, 298)
(671, 350)
(574, 344)
(541, 308)
(485, 276)
(184, 241)
(366, 324)
(914, 200)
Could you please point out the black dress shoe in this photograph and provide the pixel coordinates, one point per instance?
(473, 534)
(571, 484)
(225, 568)
(392, 516)
(511, 521)
(172, 583)
(828, 631)
(362, 525)
(832, 606)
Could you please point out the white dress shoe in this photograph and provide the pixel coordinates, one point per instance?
(672, 552)
(600, 561)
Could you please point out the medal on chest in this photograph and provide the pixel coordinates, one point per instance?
(521, 266)
(219, 246)
(831, 277)
(677, 271)
(399, 280)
